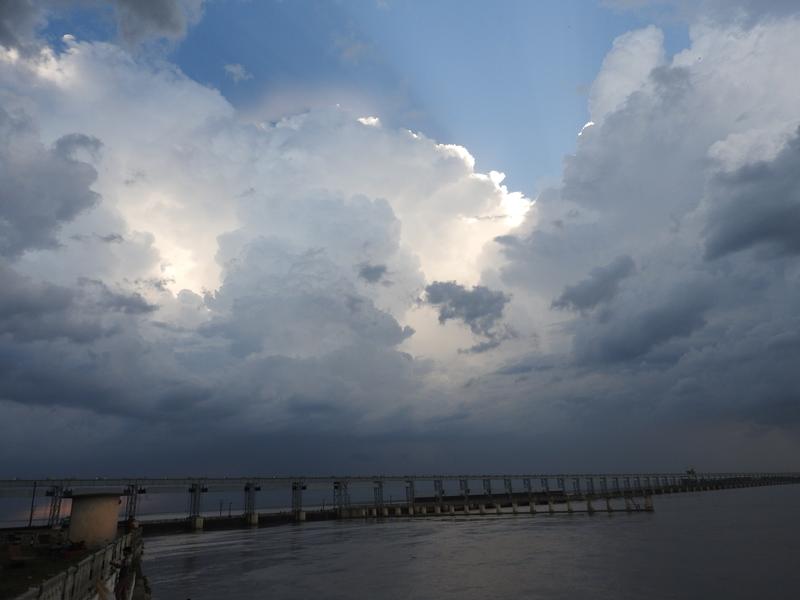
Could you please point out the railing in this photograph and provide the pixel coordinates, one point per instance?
(80, 581)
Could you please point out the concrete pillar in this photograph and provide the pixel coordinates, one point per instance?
(385, 511)
(532, 507)
(497, 509)
(452, 510)
(196, 523)
(608, 504)
(437, 510)
(251, 519)
(589, 507)
(648, 503)
(93, 519)
(466, 509)
(514, 508)
(300, 516)
(373, 512)
(482, 509)
(397, 511)
(569, 505)
(550, 507)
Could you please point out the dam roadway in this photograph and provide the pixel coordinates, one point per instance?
(317, 497)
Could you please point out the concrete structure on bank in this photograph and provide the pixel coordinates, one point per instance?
(94, 518)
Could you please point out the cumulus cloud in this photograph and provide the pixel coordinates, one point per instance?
(237, 72)
(626, 68)
(691, 177)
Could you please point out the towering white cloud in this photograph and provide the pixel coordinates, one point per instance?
(262, 275)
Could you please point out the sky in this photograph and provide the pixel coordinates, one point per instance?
(382, 237)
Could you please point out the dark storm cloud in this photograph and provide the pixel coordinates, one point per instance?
(600, 286)
(69, 145)
(372, 273)
(110, 300)
(757, 206)
(629, 334)
(31, 311)
(480, 308)
(41, 187)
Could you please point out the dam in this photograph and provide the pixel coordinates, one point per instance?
(299, 498)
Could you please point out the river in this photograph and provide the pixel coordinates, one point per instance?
(741, 543)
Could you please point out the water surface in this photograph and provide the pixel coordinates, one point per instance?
(741, 543)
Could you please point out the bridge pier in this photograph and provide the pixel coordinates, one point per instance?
(529, 489)
(410, 496)
(250, 514)
(195, 506)
(297, 501)
(377, 494)
(487, 491)
(341, 498)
